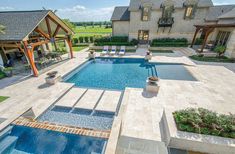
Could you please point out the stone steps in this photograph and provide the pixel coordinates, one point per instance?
(109, 101)
(60, 128)
(71, 98)
(90, 99)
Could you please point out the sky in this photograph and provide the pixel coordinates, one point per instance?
(76, 10)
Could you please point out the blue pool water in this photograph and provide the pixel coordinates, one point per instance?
(39, 141)
(118, 73)
(79, 118)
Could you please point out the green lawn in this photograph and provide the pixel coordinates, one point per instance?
(79, 48)
(92, 31)
(3, 98)
(213, 59)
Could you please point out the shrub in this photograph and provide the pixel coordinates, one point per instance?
(91, 39)
(119, 39)
(170, 42)
(198, 41)
(75, 41)
(86, 38)
(204, 121)
(134, 42)
(220, 50)
(81, 39)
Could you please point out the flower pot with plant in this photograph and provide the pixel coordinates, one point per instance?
(148, 55)
(52, 77)
(91, 54)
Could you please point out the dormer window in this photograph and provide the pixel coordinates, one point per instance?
(145, 13)
(190, 8)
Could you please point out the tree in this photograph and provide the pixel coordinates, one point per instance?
(69, 23)
(2, 29)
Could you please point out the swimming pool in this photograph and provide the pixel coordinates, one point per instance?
(26, 140)
(119, 73)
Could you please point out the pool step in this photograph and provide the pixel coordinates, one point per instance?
(109, 101)
(5, 132)
(60, 128)
(71, 98)
(90, 99)
(7, 144)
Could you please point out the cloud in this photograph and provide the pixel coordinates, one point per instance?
(6, 8)
(81, 13)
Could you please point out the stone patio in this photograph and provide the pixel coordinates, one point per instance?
(141, 112)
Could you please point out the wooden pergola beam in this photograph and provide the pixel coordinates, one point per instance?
(53, 20)
(29, 54)
(207, 31)
(56, 30)
(195, 35)
(48, 26)
(69, 41)
(42, 33)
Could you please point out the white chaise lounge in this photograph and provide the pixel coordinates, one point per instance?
(105, 50)
(113, 50)
(122, 50)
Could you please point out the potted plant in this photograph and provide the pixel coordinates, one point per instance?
(220, 50)
(91, 54)
(52, 74)
(8, 71)
(148, 55)
(153, 79)
(52, 77)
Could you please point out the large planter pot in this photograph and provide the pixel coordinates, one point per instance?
(91, 55)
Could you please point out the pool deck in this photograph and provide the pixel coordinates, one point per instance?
(214, 90)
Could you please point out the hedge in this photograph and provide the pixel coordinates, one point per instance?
(170, 42)
(115, 40)
(114, 43)
(206, 122)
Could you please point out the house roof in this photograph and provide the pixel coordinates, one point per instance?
(230, 14)
(156, 4)
(19, 24)
(218, 11)
(121, 13)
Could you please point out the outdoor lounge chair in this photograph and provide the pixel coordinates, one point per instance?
(113, 50)
(122, 50)
(105, 50)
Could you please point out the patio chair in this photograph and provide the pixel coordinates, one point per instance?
(122, 50)
(113, 50)
(105, 50)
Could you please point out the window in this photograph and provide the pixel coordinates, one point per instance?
(145, 14)
(190, 12)
(222, 38)
(167, 11)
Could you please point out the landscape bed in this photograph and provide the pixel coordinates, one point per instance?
(206, 122)
(212, 59)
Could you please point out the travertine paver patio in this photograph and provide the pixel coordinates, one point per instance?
(213, 90)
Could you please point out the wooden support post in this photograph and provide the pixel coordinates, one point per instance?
(29, 54)
(208, 31)
(69, 41)
(195, 35)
